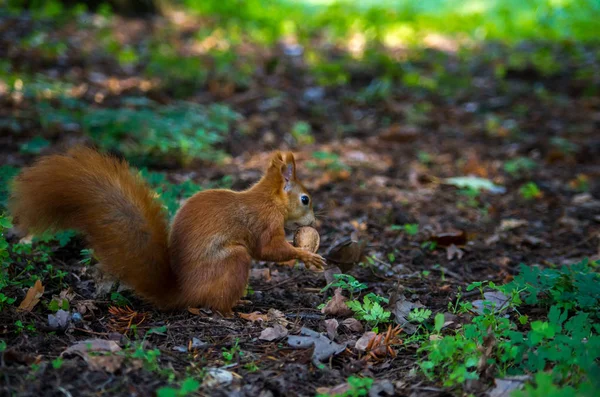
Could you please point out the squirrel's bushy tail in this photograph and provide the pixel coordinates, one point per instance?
(99, 196)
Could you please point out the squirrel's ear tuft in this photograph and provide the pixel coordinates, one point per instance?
(277, 160)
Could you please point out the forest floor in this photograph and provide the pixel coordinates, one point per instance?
(376, 154)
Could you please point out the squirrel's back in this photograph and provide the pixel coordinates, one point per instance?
(99, 196)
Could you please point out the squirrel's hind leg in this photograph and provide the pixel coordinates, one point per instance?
(222, 291)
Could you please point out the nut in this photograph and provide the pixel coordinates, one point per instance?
(307, 238)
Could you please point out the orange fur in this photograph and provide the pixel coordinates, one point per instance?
(203, 261)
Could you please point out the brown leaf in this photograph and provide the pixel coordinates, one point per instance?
(277, 316)
(337, 305)
(332, 326)
(453, 251)
(473, 166)
(109, 364)
(254, 316)
(399, 134)
(353, 324)
(363, 341)
(446, 239)
(13, 355)
(33, 297)
(67, 294)
(85, 306)
(272, 333)
(339, 390)
(93, 345)
(510, 224)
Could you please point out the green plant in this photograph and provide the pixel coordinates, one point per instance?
(183, 75)
(419, 315)
(412, 229)
(429, 245)
(564, 145)
(57, 304)
(460, 306)
(35, 145)
(356, 387)
(301, 131)
(346, 282)
(143, 130)
(172, 194)
(570, 287)
(518, 166)
(20, 327)
(251, 367)
(530, 191)
(7, 173)
(119, 300)
(188, 386)
(57, 363)
(148, 357)
(470, 197)
(554, 341)
(327, 161)
(87, 255)
(235, 350)
(370, 310)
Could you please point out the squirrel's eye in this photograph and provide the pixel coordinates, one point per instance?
(304, 199)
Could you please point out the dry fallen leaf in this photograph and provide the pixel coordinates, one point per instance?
(363, 341)
(339, 390)
(109, 364)
(33, 297)
(332, 326)
(324, 348)
(505, 387)
(85, 306)
(254, 316)
(495, 301)
(453, 251)
(337, 305)
(59, 320)
(12, 355)
(272, 333)
(272, 315)
(353, 324)
(399, 133)
(453, 238)
(401, 310)
(278, 316)
(510, 224)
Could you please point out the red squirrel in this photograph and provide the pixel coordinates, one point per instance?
(202, 261)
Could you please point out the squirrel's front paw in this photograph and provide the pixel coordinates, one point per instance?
(313, 260)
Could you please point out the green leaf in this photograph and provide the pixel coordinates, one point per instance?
(439, 322)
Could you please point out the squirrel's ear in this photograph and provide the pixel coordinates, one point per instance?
(284, 166)
(289, 172)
